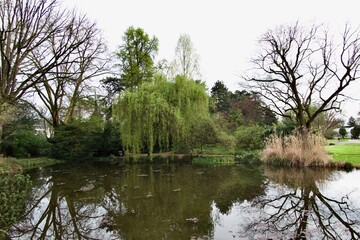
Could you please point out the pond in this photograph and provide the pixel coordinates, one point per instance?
(187, 201)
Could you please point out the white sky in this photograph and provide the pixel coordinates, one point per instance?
(224, 32)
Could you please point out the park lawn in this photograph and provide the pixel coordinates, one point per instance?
(348, 152)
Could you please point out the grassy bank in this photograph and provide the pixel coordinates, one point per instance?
(209, 160)
(13, 165)
(349, 153)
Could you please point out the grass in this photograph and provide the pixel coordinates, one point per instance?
(213, 160)
(215, 150)
(13, 165)
(348, 153)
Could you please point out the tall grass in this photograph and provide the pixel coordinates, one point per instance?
(298, 149)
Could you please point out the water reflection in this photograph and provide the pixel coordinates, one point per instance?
(136, 202)
(183, 201)
(296, 207)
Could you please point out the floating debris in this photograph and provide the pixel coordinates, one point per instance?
(157, 170)
(192, 220)
(149, 195)
(86, 188)
(177, 190)
(143, 175)
(168, 174)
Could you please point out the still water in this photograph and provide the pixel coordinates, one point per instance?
(186, 201)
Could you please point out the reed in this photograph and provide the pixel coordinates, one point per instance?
(298, 149)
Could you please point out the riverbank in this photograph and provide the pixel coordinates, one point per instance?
(13, 165)
(341, 152)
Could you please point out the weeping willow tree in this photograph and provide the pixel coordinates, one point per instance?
(161, 113)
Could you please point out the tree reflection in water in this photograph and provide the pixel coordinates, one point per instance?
(295, 207)
(166, 201)
(162, 201)
(60, 209)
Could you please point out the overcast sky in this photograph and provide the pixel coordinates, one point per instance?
(224, 32)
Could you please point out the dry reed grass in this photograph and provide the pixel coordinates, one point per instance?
(299, 149)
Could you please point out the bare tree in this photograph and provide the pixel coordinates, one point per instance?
(27, 28)
(299, 67)
(186, 61)
(61, 89)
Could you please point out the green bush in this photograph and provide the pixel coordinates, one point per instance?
(24, 143)
(249, 138)
(248, 157)
(355, 132)
(77, 140)
(342, 132)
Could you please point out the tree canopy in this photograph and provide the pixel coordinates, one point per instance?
(136, 56)
(161, 113)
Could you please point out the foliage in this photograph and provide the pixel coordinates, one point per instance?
(239, 108)
(109, 143)
(13, 193)
(213, 160)
(285, 126)
(298, 149)
(136, 58)
(355, 132)
(79, 139)
(113, 85)
(225, 148)
(220, 93)
(14, 165)
(342, 132)
(162, 113)
(20, 137)
(249, 157)
(249, 138)
(25, 143)
(352, 122)
(296, 64)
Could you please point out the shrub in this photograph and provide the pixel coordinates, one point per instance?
(342, 132)
(249, 138)
(355, 132)
(77, 140)
(24, 143)
(248, 157)
(297, 149)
